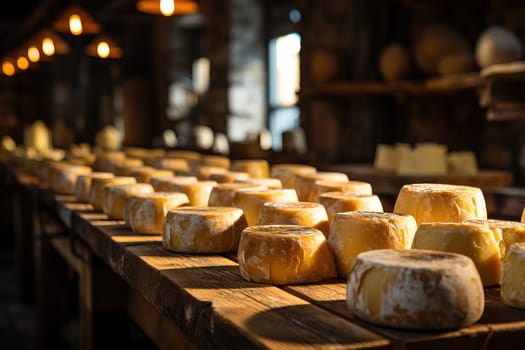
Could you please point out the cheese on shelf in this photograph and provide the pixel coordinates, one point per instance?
(322, 186)
(269, 182)
(286, 172)
(203, 172)
(165, 183)
(116, 196)
(338, 202)
(145, 174)
(176, 165)
(62, 177)
(257, 168)
(513, 278)
(109, 161)
(229, 176)
(294, 213)
(506, 232)
(203, 230)
(474, 240)
(83, 185)
(215, 160)
(222, 194)
(97, 193)
(198, 192)
(305, 183)
(415, 289)
(284, 254)
(251, 201)
(354, 232)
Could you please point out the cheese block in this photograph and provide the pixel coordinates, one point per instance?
(251, 201)
(294, 213)
(174, 164)
(513, 278)
(338, 202)
(354, 232)
(203, 172)
(286, 172)
(284, 254)
(269, 182)
(203, 230)
(165, 183)
(305, 183)
(215, 160)
(506, 232)
(385, 158)
(198, 192)
(462, 163)
(109, 161)
(96, 193)
(62, 177)
(144, 175)
(222, 194)
(430, 202)
(424, 159)
(83, 185)
(145, 212)
(116, 197)
(415, 289)
(257, 168)
(229, 176)
(322, 186)
(474, 240)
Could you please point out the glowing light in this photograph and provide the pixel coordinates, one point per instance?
(48, 46)
(33, 54)
(22, 63)
(75, 24)
(103, 49)
(8, 68)
(167, 7)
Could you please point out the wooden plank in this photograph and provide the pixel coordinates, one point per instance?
(63, 246)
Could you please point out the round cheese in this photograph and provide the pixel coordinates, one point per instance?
(203, 230)
(109, 161)
(145, 212)
(62, 177)
(506, 232)
(305, 183)
(198, 192)
(522, 219)
(415, 289)
(354, 232)
(222, 194)
(284, 254)
(257, 168)
(165, 183)
(429, 202)
(185, 154)
(270, 183)
(286, 172)
(129, 170)
(96, 193)
(476, 241)
(174, 164)
(513, 278)
(83, 185)
(230, 176)
(322, 186)
(116, 196)
(251, 201)
(204, 172)
(144, 175)
(338, 202)
(215, 160)
(294, 213)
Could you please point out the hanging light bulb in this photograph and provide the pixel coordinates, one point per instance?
(22, 63)
(48, 46)
(76, 20)
(75, 24)
(8, 68)
(33, 53)
(167, 7)
(103, 49)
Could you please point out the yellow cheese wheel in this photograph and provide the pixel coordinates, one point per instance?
(338, 202)
(284, 254)
(506, 232)
(222, 194)
(305, 183)
(96, 193)
(286, 172)
(185, 154)
(257, 168)
(203, 172)
(229, 176)
(174, 164)
(294, 213)
(145, 174)
(269, 182)
(145, 212)
(116, 196)
(322, 186)
(109, 161)
(62, 177)
(354, 232)
(429, 202)
(522, 219)
(215, 160)
(165, 183)
(83, 185)
(251, 201)
(129, 170)
(476, 241)
(203, 230)
(415, 289)
(198, 192)
(513, 278)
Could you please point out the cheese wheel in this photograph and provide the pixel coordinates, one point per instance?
(126, 170)
(165, 183)
(204, 172)
(198, 192)
(83, 185)
(230, 176)
(294, 213)
(506, 232)
(145, 212)
(270, 183)
(203, 230)
(476, 241)
(385, 157)
(513, 278)
(429, 202)
(305, 183)
(522, 219)
(415, 289)
(214, 160)
(174, 164)
(251, 201)
(96, 193)
(109, 161)
(338, 202)
(222, 194)
(284, 254)
(257, 168)
(322, 186)
(286, 172)
(185, 154)
(145, 174)
(62, 177)
(116, 196)
(354, 232)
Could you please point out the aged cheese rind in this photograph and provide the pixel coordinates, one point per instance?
(338, 202)
(257, 168)
(305, 183)
(203, 230)
(322, 186)
(97, 193)
(165, 183)
(116, 196)
(513, 278)
(415, 289)
(284, 254)
(286, 172)
(229, 176)
(251, 201)
(506, 232)
(198, 192)
(270, 183)
(222, 195)
(83, 184)
(62, 177)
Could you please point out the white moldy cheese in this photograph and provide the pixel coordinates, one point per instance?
(62, 177)
(116, 196)
(474, 240)
(251, 201)
(97, 193)
(203, 230)
(415, 289)
(222, 194)
(430, 202)
(354, 232)
(83, 185)
(513, 278)
(284, 254)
